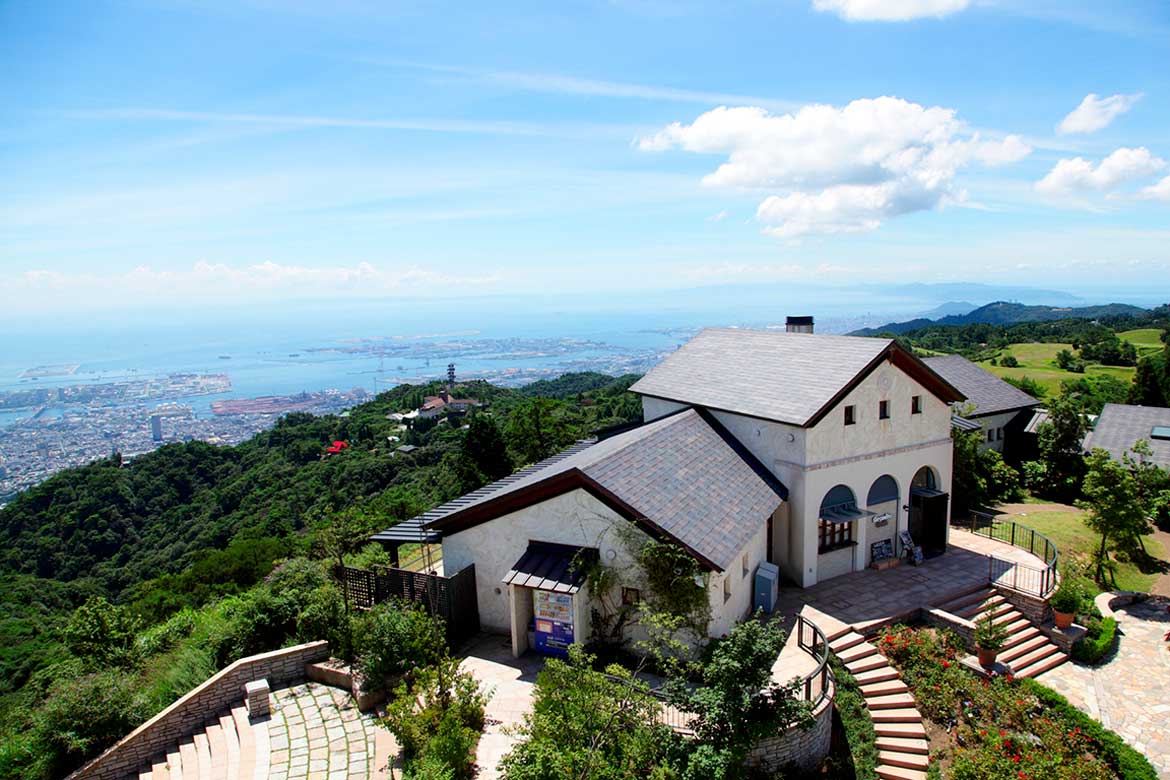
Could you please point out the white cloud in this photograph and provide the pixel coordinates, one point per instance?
(1079, 175)
(205, 281)
(838, 170)
(890, 10)
(718, 217)
(1159, 191)
(1095, 113)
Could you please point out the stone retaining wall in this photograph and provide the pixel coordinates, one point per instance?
(190, 712)
(1034, 608)
(802, 748)
(940, 618)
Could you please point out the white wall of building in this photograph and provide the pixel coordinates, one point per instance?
(996, 424)
(578, 518)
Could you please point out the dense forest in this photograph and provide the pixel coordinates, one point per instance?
(191, 522)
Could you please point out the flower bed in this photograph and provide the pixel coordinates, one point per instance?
(1001, 728)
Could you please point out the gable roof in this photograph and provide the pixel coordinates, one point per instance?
(683, 478)
(793, 378)
(989, 393)
(1119, 426)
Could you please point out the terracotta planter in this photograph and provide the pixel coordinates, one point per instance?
(1063, 619)
(986, 657)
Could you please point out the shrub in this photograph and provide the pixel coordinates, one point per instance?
(437, 716)
(1067, 597)
(1097, 642)
(396, 638)
(1009, 361)
(165, 635)
(1124, 760)
(990, 635)
(857, 725)
(101, 634)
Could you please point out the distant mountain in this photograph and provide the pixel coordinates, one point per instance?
(973, 291)
(1004, 313)
(949, 309)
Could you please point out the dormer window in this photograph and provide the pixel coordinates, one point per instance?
(850, 414)
(915, 404)
(883, 410)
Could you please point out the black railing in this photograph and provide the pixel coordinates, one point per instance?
(1035, 580)
(815, 685)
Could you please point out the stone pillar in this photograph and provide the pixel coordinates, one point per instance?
(256, 698)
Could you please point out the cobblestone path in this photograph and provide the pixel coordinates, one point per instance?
(1130, 693)
(316, 733)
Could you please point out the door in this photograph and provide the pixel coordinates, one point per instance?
(927, 522)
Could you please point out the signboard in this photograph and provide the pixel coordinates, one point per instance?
(552, 621)
(880, 551)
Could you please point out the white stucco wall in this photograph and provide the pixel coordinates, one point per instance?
(576, 518)
(724, 615)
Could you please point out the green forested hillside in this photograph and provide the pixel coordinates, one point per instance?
(191, 522)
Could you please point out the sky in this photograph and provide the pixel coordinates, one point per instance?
(182, 153)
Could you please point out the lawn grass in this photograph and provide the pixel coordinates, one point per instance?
(1065, 526)
(1038, 362)
(1146, 340)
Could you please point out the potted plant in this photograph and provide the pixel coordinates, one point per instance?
(1064, 603)
(990, 637)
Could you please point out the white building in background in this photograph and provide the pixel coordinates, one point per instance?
(802, 451)
(997, 409)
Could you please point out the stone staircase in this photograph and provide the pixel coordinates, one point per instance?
(1029, 652)
(230, 747)
(903, 749)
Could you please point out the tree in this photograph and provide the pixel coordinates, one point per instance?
(736, 702)
(1113, 505)
(101, 634)
(535, 431)
(1093, 392)
(345, 533)
(1009, 361)
(1151, 381)
(589, 724)
(1058, 472)
(980, 476)
(484, 446)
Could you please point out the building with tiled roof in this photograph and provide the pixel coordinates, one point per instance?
(998, 408)
(1120, 426)
(789, 454)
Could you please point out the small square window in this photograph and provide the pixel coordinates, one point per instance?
(743, 564)
(726, 589)
(915, 404)
(991, 434)
(999, 434)
(631, 597)
(883, 410)
(850, 415)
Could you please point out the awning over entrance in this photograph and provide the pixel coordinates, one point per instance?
(926, 492)
(843, 513)
(560, 568)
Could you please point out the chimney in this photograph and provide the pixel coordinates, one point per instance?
(799, 325)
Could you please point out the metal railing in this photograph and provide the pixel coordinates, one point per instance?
(1038, 581)
(815, 685)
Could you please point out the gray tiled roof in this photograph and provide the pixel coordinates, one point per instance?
(1119, 426)
(775, 375)
(682, 473)
(985, 390)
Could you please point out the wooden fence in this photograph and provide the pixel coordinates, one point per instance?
(451, 598)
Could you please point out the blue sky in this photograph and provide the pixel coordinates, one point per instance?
(183, 152)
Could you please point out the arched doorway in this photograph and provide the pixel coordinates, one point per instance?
(882, 502)
(927, 521)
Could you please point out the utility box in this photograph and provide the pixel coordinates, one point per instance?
(767, 587)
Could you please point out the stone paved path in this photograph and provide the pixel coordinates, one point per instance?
(511, 682)
(1131, 693)
(316, 733)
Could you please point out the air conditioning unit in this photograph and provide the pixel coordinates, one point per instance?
(767, 587)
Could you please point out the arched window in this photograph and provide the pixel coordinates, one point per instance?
(838, 512)
(925, 479)
(883, 489)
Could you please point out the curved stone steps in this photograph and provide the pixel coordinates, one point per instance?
(903, 749)
(1028, 652)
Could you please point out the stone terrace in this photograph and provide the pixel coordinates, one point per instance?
(871, 598)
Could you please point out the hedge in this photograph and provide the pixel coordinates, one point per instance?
(855, 720)
(1127, 762)
(1097, 643)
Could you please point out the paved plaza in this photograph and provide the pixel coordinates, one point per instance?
(1130, 693)
(316, 733)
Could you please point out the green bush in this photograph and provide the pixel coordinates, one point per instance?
(102, 635)
(396, 638)
(165, 635)
(1068, 596)
(1097, 642)
(1124, 760)
(857, 725)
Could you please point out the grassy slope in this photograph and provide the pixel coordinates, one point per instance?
(1038, 361)
(1147, 340)
(1063, 524)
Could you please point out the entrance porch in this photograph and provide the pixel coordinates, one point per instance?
(871, 598)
